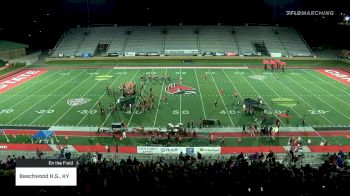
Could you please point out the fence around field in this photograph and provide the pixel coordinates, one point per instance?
(51, 59)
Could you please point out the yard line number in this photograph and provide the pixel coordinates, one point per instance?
(233, 112)
(6, 111)
(92, 73)
(177, 112)
(64, 74)
(87, 111)
(45, 111)
(318, 112)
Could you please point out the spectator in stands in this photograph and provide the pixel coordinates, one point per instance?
(68, 155)
(341, 154)
(221, 177)
(271, 157)
(39, 153)
(181, 156)
(240, 156)
(199, 155)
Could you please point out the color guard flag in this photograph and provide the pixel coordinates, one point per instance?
(284, 115)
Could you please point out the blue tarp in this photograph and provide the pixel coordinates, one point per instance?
(42, 134)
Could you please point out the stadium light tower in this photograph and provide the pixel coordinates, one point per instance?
(274, 12)
(347, 18)
(88, 13)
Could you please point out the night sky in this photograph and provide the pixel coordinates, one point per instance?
(40, 23)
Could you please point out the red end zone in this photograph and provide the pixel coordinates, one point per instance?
(336, 74)
(19, 78)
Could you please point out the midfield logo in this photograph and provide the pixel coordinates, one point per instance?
(77, 101)
(180, 89)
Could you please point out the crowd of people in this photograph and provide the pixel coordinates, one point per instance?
(256, 174)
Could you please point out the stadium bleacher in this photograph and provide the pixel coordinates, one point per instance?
(219, 39)
(70, 42)
(145, 39)
(183, 40)
(180, 38)
(293, 42)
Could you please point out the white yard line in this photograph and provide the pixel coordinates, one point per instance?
(28, 88)
(143, 90)
(290, 107)
(239, 94)
(63, 84)
(88, 113)
(67, 94)
(159, 100)
(223, 102)
(134, 110)
(320, 99)
(273, 112)
(180, 95)
(71, 107)
(326, 90)
(26, 97)
(200, 94)
(305, 102)
(183, 67)
(277, 94)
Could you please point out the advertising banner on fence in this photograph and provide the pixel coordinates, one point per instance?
(160, 150)
(177, 150)
(207, 150)
(276, 54)
(130, 53)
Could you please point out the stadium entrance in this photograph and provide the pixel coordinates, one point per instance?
(260, 47)
(102, 48)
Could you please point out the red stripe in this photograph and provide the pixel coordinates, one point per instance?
(252, 149)
(25, 147)
(336, 74)
(127, 149)
(21, 132)
(96, 148)
(329, 148)
(287, 134)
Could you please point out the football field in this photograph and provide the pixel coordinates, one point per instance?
(70, 97)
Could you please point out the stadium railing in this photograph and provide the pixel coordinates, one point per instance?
(58, 42)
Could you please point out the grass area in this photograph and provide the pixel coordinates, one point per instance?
(194, 62)
(43, 101)
(18, 66)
